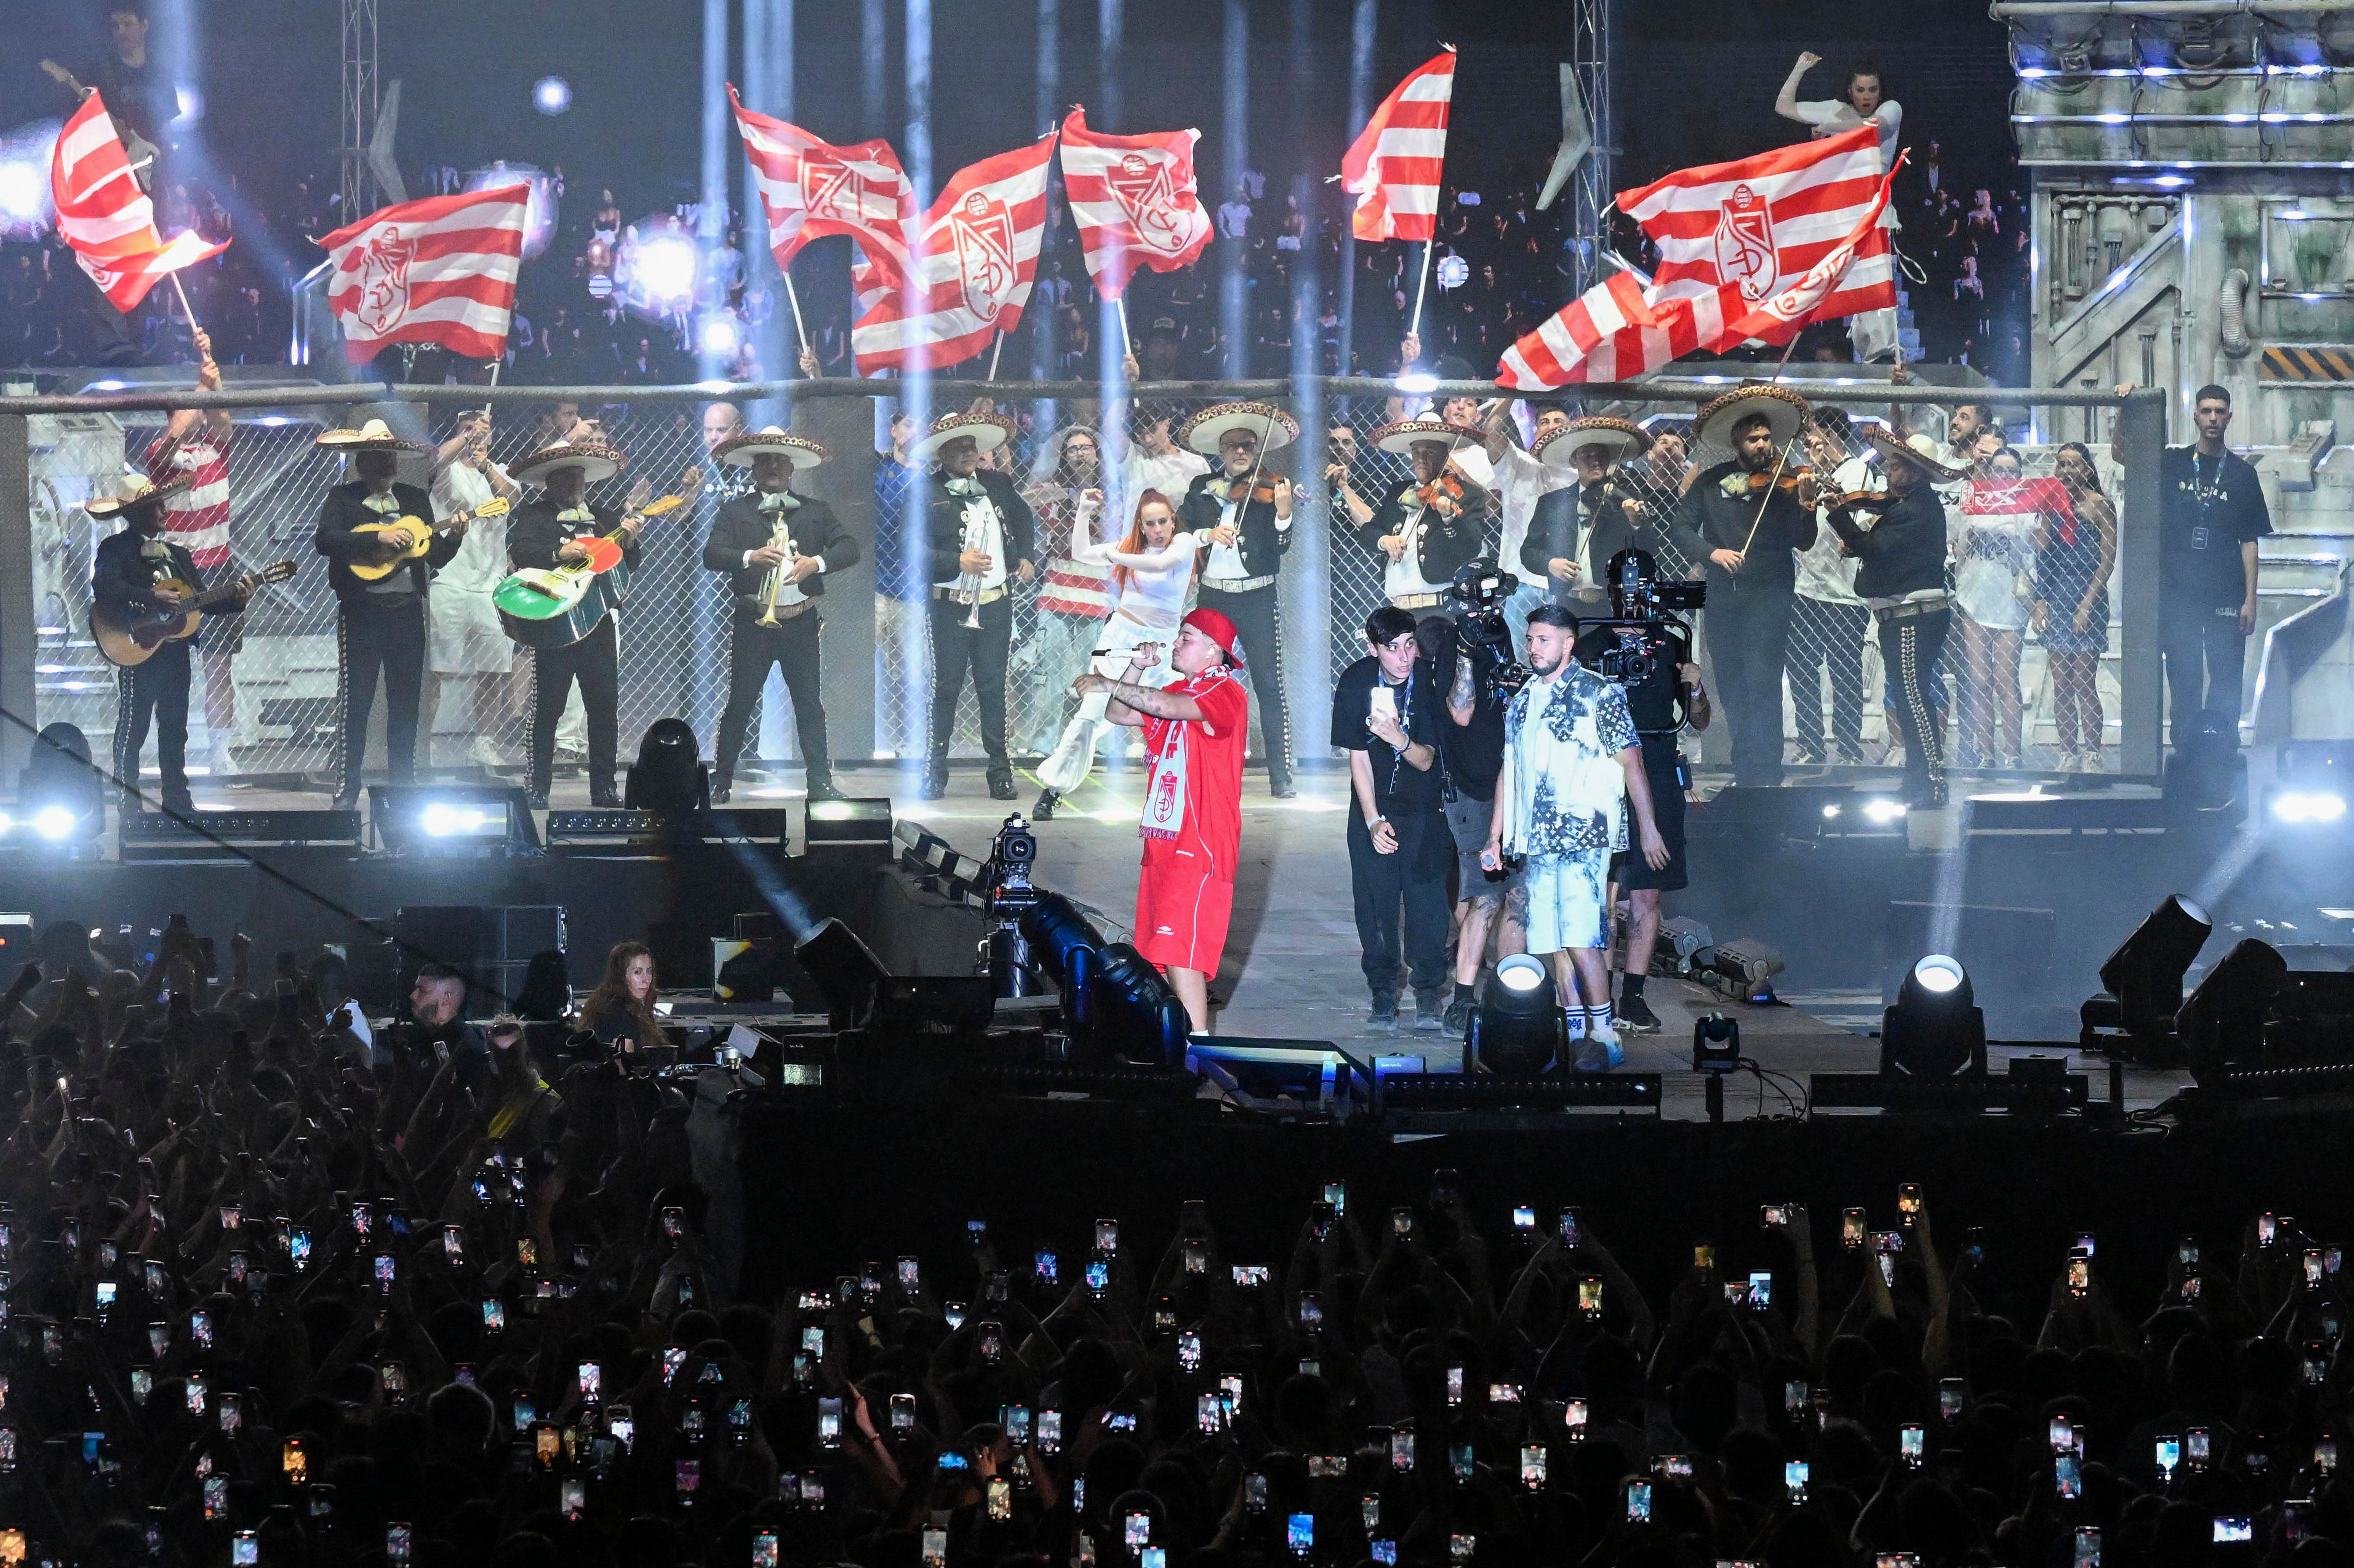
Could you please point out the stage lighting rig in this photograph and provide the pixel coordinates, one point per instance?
(2223, 1021)
(1936, 1030)
(1519, 1026)
(60, 799)
(1113, 1001)
(2142, 980)
(1716, 1044)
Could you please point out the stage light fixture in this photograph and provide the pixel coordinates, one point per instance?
(861, 821)
(53, 822)
(1519, 1026)
(551, 95)
(1716, 1044)
(2142, 980)
(1936, 1030)
(59, 795)
(1416, 384)
(452, 819)
(846, 969)
(2223, 1021)
(24, 191)
(720, 336)
(664, 269)
(2306, 808)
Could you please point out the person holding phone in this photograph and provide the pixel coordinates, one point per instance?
(1385, 715)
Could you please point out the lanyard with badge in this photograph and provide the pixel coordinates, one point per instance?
(1401, 698)
(2206, 494)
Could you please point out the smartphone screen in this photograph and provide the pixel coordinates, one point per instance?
(1794, 1480)
(764, 1550)
(575, 1499)
(2067, 1477)
(1533, 1466)
(1524, 1216)
(1299, 1533)
(1909, 1441)
(1853, 1227)
(1638, 1502)
(396, 1543)
(2088, 1546)
(244, 1549)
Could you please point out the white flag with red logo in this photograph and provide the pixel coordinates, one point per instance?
(1759, 224)
(1562, 350)
(1815, 296)
(810, 188)
(1134, 200)
(1392, 167)
(971, 265)
(440, 271)
(107, 218)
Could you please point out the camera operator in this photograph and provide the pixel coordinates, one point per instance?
(1385, 716)
(1471, 657)
(1648, 653)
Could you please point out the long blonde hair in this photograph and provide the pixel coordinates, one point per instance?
(1133, 543)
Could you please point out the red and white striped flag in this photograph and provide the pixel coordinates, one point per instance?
(810, 189)
(1392, 167)
(1558, 352)
(971, 265)
(1134, 200)
(1760, 224)
(440, 271)
(1815, 296)
(107, 218)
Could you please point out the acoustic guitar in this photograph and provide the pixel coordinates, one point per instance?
(546, 607)
(415, 535)
(128, 637)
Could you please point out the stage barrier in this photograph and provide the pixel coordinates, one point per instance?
(280, 661)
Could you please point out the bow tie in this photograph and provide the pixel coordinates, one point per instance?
(967, 487)
(575, 514)
(386, 504)
(780, 500)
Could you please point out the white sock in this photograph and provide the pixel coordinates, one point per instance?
(1598, 1019)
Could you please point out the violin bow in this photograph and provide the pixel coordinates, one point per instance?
(1763, 500)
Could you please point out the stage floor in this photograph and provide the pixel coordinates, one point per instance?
(1291, 966)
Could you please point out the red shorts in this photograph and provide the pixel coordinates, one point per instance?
(1182, 916)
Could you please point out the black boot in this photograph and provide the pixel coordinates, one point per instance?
(936, 779)
(1001, 782)
(822, 788)
(1044, 812)
(720, 789)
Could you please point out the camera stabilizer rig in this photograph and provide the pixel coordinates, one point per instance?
(1649, 634)
(1476, 600)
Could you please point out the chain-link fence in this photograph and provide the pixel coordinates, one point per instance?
(2036, 677)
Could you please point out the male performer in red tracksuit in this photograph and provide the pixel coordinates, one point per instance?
(1194, 732)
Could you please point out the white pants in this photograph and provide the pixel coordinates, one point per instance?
(1075, 755)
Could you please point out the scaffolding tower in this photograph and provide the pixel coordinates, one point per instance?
(1591, 190)
(361, 95)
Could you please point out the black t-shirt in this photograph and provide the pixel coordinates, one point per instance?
(1397, 783)
(1651, 704)
(2208, 509)
(1472, 754)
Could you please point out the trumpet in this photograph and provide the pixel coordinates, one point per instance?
(782, 538)
(968, 583)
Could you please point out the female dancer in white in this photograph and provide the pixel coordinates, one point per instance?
(1151, 574)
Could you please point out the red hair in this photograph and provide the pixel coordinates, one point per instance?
(1133, 543)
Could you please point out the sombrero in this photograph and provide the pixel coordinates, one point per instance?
(1205, 429)
(597, 462)
(1917, 450)
(374, 435)
(137, 490)
(739, 451)
(1401, 436)
(988, 431)
(1784, 409)
(1559, 447)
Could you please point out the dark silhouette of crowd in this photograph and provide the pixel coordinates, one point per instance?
(285, 1289)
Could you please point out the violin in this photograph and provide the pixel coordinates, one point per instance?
(1449, 484)
(1788, 484)
(1262, 489)
(1858, 501)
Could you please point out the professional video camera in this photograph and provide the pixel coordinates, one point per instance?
(1475, 598)
(1642, 632)
(1004, 952)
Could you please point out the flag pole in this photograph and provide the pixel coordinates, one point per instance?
(1422, 287)
(800, 328)
(994, 350)
(186, 308)
(1126, 344)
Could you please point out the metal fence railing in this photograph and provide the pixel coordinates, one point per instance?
(2025, 690)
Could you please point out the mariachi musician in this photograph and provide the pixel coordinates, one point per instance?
(777, 549)
(1430, 523)
(1242, 513)
(977, 536)
(555, 529)
(380, 614)
(139, 570)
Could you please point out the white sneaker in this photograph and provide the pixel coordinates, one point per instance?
(2089, 760)
(1599, 1051)
(222, 760)
(485, 752)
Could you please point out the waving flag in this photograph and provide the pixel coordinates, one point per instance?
(1558, 352)
(809, 189)
(1817, 295)
(1134, 200)
(1760, 224)
(107, 218)
(971, 262)
(1392, 167)
(440, 271)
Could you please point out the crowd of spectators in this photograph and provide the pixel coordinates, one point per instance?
(286, 1289)
(1279, 267)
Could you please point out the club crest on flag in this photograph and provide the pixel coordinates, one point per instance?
(384, 283)
(983, 231)
(1143, 188)
(1744, 243)
(832, 187)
